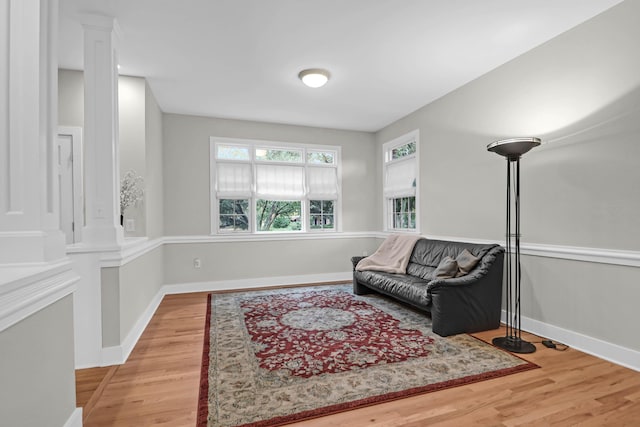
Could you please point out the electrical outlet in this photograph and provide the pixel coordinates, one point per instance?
(197, 263)
(365, 253)
(130, 225)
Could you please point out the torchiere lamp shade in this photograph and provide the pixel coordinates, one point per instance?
(513, 148)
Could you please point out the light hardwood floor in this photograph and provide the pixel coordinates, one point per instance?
(158, 386)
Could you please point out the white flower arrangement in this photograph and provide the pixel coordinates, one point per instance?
(131, 190)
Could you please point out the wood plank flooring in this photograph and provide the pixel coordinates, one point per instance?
(158, 386)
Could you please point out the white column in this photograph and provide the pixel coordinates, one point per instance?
(102, 179)
(29, 211)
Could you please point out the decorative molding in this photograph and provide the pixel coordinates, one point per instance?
(117, 256)
(614, 353)
(573, 253)
(75, 420)
(227, 238)
(130, 252)
(257, 283)
(596, 255)
(30, 289)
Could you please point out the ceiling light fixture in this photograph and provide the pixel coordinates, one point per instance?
(314, 77)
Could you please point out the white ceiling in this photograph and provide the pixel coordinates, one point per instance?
(240, 58)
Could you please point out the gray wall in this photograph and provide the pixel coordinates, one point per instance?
(580, 93)
(71, 98)
(154, 180)
(187, 203)
(248, 260)
(36, 357)
(186, 168)
(132, 142)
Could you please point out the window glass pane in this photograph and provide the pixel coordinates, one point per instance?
(234, 214)
(315, 206)
(279, 155)
(403, 150)
(321, 157)
(403, 215)
(231, 152)
(321, 214)
(275, 215)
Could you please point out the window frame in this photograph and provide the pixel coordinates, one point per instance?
(388, 160)
(253, 145)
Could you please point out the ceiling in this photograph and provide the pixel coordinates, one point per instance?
(240, 58)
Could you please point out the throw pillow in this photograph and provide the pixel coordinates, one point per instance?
(447, 268)
(466, 261)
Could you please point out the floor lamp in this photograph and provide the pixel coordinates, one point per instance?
(513, 149)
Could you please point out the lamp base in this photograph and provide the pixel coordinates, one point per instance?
(514, 344)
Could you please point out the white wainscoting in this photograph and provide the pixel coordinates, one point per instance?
(605, 350)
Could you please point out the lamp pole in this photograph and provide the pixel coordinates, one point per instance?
(512, 149)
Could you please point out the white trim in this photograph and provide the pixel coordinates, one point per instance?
(572, 253)
(30, 289)
(75, 420)
(223, 238)
(118, 256)
(257, 283)
(614, 353)
(596, 255)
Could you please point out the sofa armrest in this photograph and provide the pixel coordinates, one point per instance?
(355, 260)
(469, 303)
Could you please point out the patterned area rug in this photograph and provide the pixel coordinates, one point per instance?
(278, 356)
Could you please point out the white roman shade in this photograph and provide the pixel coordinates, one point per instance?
(400, 179)
(234, 180)
(322, 183)
(279, 182)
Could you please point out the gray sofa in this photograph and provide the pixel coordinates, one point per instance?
(469, 303)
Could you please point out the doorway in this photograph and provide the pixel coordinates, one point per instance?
(69, 163)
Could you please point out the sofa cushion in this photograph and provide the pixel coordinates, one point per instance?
(430, 252)
(405, 287)
(447, 268)
(466, 262)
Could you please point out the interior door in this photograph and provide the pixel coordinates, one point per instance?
(66, 187)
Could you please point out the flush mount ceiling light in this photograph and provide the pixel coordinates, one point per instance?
(314, 77)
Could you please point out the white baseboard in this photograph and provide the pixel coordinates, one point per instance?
(262, 282)
(604, 350)
(75, 420)
(118, 354)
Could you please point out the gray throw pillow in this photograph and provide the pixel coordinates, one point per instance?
(447, 268)
(466, 262)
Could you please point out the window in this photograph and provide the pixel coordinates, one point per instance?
(400, 183)
(262, 187)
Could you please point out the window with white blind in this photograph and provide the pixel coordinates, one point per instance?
(400, 182)
(260, 186)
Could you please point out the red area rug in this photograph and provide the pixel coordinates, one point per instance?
(274, 357)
